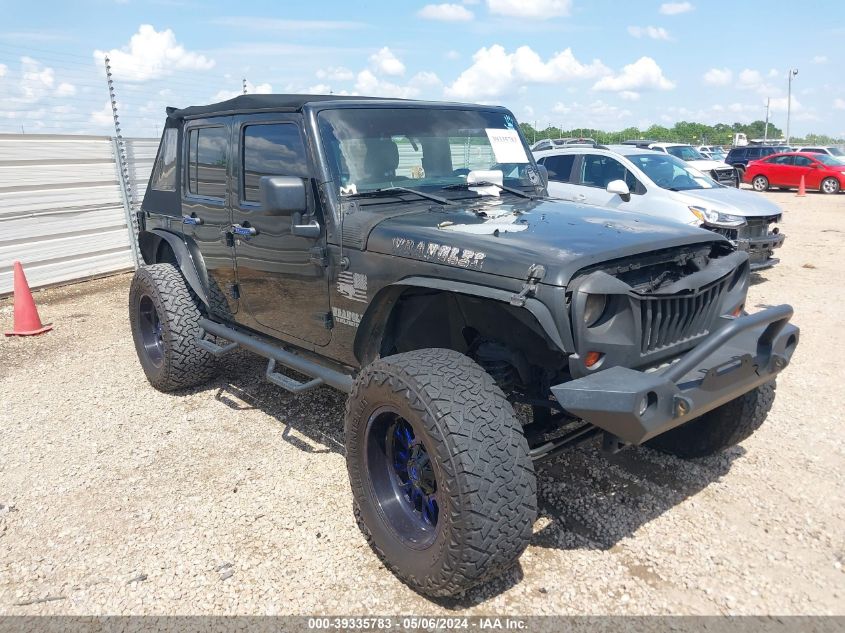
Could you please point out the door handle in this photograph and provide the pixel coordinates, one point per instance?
(192, 219)
(247, 231)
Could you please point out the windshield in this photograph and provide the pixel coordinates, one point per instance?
(685, 152)
(425, 149)
(670, 173)
(835, 151)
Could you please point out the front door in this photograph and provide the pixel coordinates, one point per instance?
(282, 283)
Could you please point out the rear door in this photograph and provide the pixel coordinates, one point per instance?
(205, 206)
(282, 281)
(778, 170)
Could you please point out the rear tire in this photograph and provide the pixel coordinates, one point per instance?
(439, 470)
(719, 429)
(760, 183)
(829, 185)
(164, 315)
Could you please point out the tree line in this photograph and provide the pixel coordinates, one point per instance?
(681, 132)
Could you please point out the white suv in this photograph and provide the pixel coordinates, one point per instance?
(836, 152)
(718, 170)
(642, 181)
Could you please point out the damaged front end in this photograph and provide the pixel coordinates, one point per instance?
(757, 236)
(664, 340)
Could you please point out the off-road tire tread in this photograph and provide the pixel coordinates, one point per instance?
(489, 476)
(721, 428)
(185, 363)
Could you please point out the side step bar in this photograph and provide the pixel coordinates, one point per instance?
(320, 375)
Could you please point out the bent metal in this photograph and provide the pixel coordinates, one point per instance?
(319, 232)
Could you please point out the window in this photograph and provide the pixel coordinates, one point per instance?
(559, 167)
(780, 160)
(164, 172)
(542, 147)
(599, 171)
(814, 150)
(207, 161)
(756, 152)
(271, 150)
(803, 161)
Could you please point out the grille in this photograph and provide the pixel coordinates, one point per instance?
(668, 321)
(756, 227)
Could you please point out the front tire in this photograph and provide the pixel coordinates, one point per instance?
(829, 185)
(720, 428)
(760, 183)
(439, 470)
(164, 316)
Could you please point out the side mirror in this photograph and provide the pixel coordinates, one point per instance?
(544, 175)
(282, 195)
(285, 195)
(619, 188)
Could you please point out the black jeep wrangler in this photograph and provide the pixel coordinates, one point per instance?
(406, 253)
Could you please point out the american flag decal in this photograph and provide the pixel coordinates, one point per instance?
(352, 286)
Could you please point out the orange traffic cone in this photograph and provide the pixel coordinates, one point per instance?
(802, 190)
(27, 322)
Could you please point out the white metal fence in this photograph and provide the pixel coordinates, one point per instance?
(62, 212)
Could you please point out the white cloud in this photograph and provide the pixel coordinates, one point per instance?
(446, 13)
(643, 74)
(151, 54)
(103, 116)
(368, 84)
(675, 8)
(65, 90)
(718, 76)
(839, 104)
(597, 114)
(778, 104)
(820, 59)
(336, 73)
(773, 73)
(629, 95)
(385, 62)
(36, 79)
(653, 32)
(425, 78)
(750, 78)
(537, 9)
(251, 88)
(495, 71)
(276, 24)
(3, 69)
(453, 55)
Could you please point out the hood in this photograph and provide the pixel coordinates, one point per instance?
(707, 165)
(564, 237)
(730, 200)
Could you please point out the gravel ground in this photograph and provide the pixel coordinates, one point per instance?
(233, 498)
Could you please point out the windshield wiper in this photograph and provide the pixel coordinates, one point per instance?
(386, 191)
(467, 185)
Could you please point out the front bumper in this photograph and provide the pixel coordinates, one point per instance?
(636, 406)
(761, 249)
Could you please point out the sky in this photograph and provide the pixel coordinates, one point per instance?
(573, 63)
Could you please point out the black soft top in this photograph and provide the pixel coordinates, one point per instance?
(253, 103)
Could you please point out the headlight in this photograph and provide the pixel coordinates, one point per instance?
(717, 217)
(594, 308)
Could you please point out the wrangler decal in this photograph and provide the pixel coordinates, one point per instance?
(442, 253)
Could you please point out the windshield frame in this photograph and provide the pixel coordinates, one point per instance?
(334, 198)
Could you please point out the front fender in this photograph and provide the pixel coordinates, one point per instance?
(375, 320)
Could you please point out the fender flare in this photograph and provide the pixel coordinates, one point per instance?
(374, 323)
(186, 259)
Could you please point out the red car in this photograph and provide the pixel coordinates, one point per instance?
(820, 171)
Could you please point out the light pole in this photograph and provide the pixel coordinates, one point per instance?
(792, 73)
(766, 129)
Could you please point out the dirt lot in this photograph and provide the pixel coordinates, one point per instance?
(233, 498)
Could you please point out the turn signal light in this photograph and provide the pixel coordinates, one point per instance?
(592, 358)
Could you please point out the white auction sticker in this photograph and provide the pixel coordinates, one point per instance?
(507, 146)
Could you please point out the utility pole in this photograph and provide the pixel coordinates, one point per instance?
(766, 129)
(792, 73)
(535, 130)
